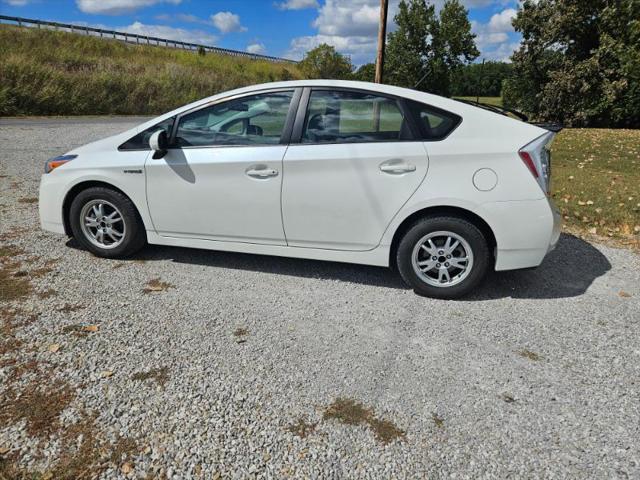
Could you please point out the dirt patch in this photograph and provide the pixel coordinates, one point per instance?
(160, 375)
(351, 412)
(529, 354)
(28, 200)
(157, 285)
(302, 428)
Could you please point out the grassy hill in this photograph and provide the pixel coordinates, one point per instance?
(55, 73)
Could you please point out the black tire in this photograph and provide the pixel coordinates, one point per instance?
(458, 226)
(134, 233)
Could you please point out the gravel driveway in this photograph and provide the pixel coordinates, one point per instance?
(194, 364)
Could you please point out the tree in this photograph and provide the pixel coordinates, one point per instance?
(429, 47)
(482, 79)
(365, 73)
(407, 48)
(325, 62)
(579, 62)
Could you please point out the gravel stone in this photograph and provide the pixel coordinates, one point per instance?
(320, 331)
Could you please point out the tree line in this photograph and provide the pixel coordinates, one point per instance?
(578, 62)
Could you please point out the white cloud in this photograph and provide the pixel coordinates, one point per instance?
(297, 4)
(181, 17)
(351, 26)
(169, 33)
(257, 48)
(494, 38)
(359, 48)
(17, 3)
(501, 22)
(349, 17)
(227, 22)
(117, 7)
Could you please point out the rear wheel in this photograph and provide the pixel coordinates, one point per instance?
(105, 222)
(443, 257)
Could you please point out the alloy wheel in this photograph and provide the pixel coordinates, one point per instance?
(442, 259)
(102, 224)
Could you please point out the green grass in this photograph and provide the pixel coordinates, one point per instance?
(54, 73)
(490, 100)
(596, 182)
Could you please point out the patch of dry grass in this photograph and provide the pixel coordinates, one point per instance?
(56, 73)
(529, 354)
(39, 404)
(13, 285)
(351, 412)
(302, 428)
(157, 285)
(160, 375)
(596, 183)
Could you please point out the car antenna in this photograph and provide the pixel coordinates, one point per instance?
(421, 80)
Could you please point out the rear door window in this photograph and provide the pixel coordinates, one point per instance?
(349, 116)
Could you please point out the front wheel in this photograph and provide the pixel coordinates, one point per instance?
(443, 257)
(106, 223)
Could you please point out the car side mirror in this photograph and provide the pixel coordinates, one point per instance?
(159, 144)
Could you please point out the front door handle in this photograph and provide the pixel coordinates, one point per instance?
(396, 167)
(261, 172)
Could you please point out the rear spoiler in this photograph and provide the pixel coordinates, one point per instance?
(552, 127)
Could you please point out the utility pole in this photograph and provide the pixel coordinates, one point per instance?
(382, 35)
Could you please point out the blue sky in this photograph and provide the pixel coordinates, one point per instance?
(284, 28)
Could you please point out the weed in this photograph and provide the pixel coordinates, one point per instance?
(79, 330)
(439, 421)
(529, 354)
(160, 375)
(302, 428)
(157, 285)
(48, 293)
(39, 405)
(12, 286)
(351, 412)
(28, 200)
(507, 397)
(69, 308)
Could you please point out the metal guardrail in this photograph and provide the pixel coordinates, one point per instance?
(137, 39)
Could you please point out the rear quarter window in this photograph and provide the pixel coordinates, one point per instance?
(434, 123)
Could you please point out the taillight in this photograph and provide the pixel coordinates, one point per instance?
(537, 157)
(528, 161)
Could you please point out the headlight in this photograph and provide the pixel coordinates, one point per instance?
(55, 162)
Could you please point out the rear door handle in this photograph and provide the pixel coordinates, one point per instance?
(395, 167)
(261, 172)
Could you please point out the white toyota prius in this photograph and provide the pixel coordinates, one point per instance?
(320, 169)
